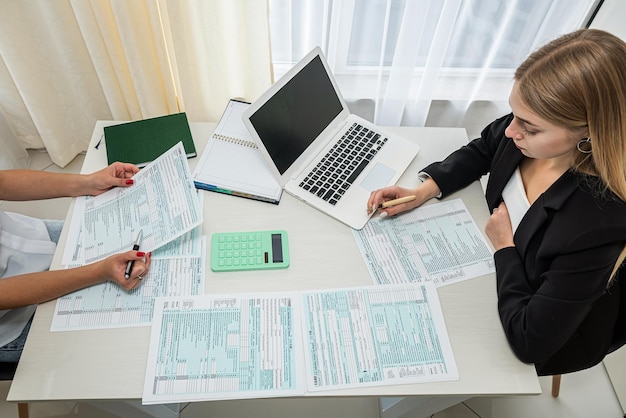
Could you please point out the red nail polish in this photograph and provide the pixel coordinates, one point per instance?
(141, 254)
(130, 181)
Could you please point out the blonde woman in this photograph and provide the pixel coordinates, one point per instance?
(557, 191)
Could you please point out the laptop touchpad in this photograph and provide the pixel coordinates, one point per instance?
(380, 176)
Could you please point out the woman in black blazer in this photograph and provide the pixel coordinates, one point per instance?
(557, 191)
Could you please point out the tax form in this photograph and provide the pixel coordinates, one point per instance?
(224, 347)
(107, 305)
(438, 242)
(369, 336)
(282, 344)
(162, 201)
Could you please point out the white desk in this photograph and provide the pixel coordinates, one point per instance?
(110, 364)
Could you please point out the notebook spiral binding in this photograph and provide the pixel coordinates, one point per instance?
(236, 141)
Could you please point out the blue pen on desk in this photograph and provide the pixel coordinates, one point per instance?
(129, 266)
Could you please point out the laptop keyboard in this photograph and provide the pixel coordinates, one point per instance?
(335, 173)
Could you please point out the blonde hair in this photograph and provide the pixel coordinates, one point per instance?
(578, 81)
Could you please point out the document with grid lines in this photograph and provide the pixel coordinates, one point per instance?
(289, 343)
(437, 243)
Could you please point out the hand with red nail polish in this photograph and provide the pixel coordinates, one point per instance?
(115, 175)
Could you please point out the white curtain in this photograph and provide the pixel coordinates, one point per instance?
(67, 63)
(405, 56)
(12, 153)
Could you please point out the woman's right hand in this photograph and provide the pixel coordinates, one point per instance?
(425, 191)
(113, 268)
(380, 196)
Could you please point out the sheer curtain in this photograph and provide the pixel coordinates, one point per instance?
(66, 63)
(406, 56)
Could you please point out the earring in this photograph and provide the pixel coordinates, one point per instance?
(584, 146)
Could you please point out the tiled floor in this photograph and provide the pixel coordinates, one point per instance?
(583, 395)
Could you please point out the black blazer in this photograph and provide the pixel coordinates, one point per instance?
(553, 300)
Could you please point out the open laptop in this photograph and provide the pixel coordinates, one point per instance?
(300, 123)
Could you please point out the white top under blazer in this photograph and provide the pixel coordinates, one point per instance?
(514, 196)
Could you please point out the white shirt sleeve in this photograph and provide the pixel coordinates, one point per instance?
(423, 176)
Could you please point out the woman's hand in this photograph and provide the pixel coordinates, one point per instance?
(113, 268)
(499, 229)
(425, 191)
(115, 175)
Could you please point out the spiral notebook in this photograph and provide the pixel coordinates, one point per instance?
(232, 164)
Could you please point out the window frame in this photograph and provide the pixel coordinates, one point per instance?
(338, 14)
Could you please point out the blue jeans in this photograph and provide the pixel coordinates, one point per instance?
(11, 352)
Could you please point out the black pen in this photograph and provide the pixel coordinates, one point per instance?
(99, 141)
(129, 266)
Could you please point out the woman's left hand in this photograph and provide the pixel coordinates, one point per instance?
(499, 229)
(115, 175)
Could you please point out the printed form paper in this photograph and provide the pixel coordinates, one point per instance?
(439, 243)
(163, 202)
(107, 305)
(187, 245)
(288, 343)
(390, 334)
(224, 347)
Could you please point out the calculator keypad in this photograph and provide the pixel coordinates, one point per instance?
(240, 250)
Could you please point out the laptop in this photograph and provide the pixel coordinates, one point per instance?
(302, 126)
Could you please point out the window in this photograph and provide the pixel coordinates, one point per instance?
(428, 49)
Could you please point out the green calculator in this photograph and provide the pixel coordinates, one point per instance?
(253, 250)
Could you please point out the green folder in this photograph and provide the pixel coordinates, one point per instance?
(141, 142)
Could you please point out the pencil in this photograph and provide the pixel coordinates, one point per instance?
(396, 201)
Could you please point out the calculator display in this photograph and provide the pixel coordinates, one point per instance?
(277, 248)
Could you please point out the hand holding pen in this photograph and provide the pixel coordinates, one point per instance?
(391, 203)
(114, 267)
(129, 266)
(393, 200)
(390, 197)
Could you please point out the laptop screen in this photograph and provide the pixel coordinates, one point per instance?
(293, 117)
